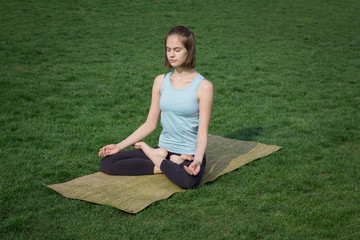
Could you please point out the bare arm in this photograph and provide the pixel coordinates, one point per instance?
(145, 129)
(205, 96)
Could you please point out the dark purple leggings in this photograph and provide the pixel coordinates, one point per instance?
(135, 162)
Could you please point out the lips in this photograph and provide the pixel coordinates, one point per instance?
(172, 61)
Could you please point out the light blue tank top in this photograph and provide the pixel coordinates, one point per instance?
(179, 116)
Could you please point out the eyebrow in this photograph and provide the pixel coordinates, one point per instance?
(175, 47)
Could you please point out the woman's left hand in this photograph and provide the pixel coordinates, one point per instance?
(193, 169)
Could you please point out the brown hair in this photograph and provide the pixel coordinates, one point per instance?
(187, 38)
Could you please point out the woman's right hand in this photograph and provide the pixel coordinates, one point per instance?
(109, 150)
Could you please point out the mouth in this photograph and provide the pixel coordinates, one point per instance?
(172, 60)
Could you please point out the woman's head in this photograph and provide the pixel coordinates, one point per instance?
(180, 48)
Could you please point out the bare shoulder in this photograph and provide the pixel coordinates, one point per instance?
(159, 80)
(205, 91)
(206, 86)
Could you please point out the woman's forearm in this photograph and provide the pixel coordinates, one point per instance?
(138, 135)
(200, 148)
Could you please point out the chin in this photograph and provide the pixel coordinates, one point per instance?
(176, 64)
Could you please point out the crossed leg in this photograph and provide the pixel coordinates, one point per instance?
(173, 168)
(157, 155)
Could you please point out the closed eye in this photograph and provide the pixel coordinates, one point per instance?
(177, 49)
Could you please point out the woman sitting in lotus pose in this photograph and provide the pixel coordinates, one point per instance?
(184, 100)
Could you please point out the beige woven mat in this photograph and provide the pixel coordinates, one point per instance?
(134, 193)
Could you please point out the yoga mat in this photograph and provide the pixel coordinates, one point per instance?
(134, 193)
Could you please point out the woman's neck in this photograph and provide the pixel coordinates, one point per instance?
(184, 71)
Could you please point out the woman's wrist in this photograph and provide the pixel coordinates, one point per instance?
(198, 160)
(118, 146)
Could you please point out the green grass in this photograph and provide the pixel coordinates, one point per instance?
(76, 75)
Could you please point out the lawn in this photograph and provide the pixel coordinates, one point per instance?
(77, 75)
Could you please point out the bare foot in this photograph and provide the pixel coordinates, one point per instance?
(180, 159)
(176, 159)
(187, 157)
(155, 155)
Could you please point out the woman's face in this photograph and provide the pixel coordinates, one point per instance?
(175, 51)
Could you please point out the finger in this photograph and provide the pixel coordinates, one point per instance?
(188, 170)
(101, 153)
(192, 169)
(197, 169)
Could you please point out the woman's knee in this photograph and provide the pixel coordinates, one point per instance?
(177, 174)
(187, 184)
(105, 166)
(187, 181)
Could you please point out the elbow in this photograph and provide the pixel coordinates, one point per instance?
(150, 127)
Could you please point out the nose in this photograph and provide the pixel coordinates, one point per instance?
(172, 53)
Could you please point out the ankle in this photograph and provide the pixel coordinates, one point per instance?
(162, 152)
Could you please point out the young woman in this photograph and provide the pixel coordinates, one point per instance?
(184, 100)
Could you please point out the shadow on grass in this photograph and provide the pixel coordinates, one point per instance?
(246, 134)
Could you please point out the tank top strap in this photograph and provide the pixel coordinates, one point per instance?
(167, 75)
(166, 81)
(197, 81)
